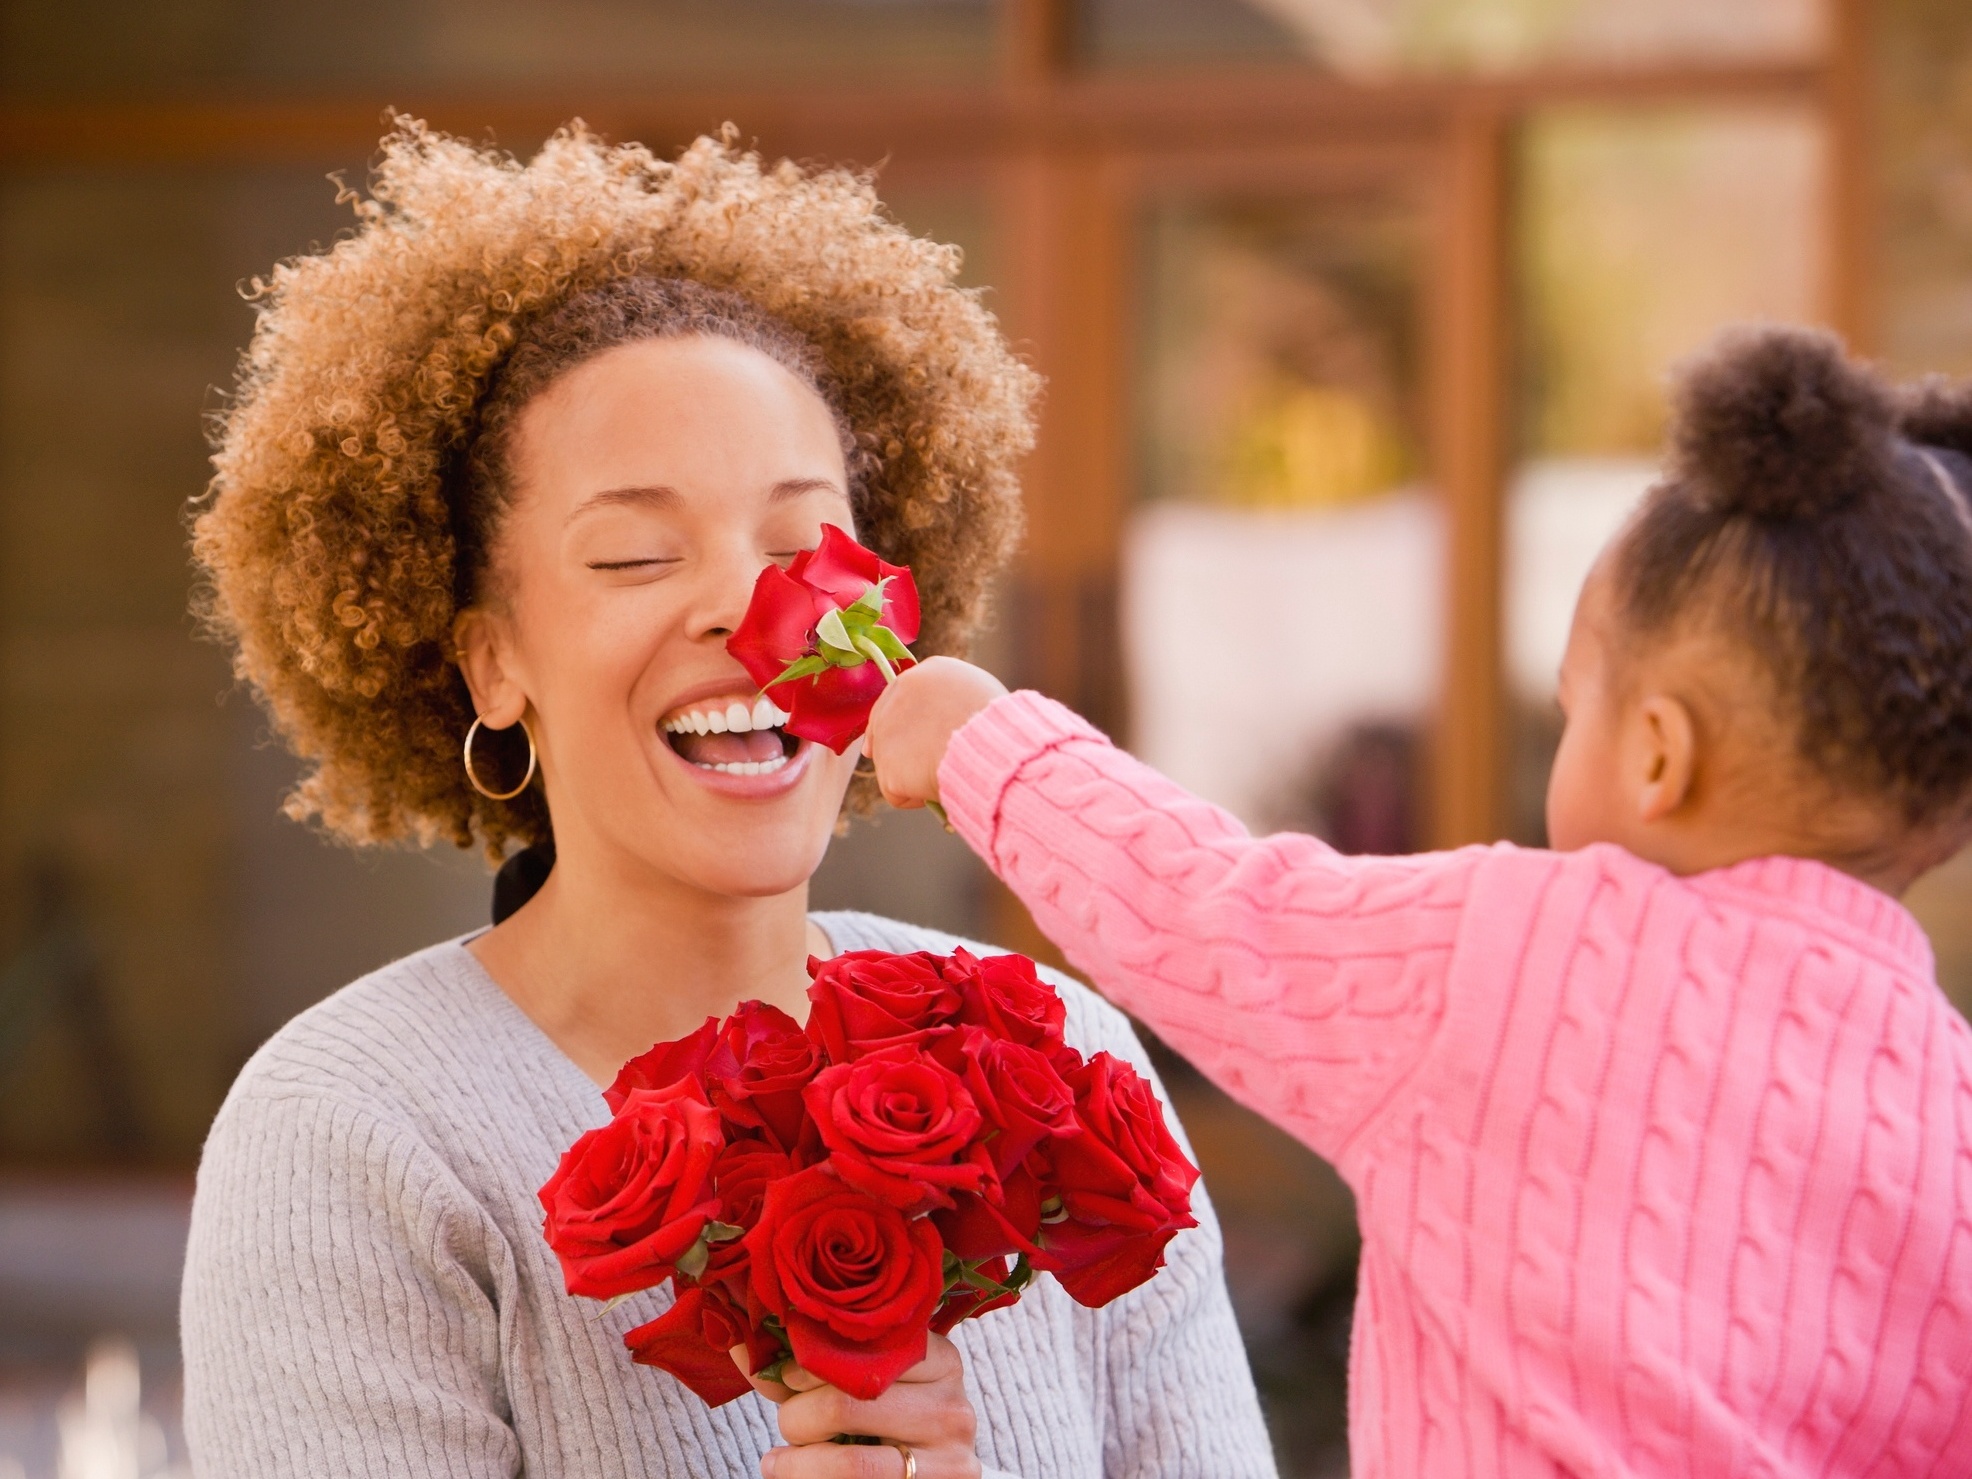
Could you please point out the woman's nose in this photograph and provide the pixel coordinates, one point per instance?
(726, 593)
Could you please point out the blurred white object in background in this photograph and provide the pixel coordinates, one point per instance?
(105, 1433)
(1560, 514)
(81, 1257)
(1255, 638)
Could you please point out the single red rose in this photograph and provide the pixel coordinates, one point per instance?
(1004, 995)
(851, 1279)
(863, 1001)
(901, 1127)
(1123, 1186)
(1002, 1221)
(631, 1198)
(761, 1064)
(1021, 1094)
(665, 1064)
(692, 1340)
(741, 1174)
(788, 620)
(964, 1302)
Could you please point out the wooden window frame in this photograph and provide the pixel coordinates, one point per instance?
(1063, 153)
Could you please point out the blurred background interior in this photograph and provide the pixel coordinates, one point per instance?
(1355, 316)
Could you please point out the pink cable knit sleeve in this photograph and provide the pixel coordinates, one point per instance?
(1307, 983)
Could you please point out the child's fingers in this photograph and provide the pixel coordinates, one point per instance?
(890, 784)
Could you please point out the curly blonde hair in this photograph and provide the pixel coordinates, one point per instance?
(346, 516)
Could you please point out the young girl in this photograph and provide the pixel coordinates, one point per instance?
(1662, 1140)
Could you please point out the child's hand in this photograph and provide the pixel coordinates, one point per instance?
(916, 718)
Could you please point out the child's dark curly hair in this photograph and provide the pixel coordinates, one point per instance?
(1827, 520)
(359, 473)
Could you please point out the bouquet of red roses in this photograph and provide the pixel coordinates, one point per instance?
(831, 1194)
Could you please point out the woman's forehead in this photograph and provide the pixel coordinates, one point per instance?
(669, 421)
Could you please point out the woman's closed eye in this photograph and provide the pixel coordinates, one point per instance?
(635, 562)
(633, 568)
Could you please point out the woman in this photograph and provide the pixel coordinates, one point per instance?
(501, 471)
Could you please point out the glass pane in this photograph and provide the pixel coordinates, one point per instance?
(1281, 353)
(1281, 623)
(1639, 234)
(1924, 92)
(1383, 36)
(106, 45)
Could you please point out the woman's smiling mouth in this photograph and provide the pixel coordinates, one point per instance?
(731, 735)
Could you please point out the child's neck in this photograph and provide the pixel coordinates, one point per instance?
(1850, 836)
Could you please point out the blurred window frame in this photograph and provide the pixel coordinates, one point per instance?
(1070, 157)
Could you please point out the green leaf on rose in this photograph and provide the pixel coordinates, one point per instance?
(692, 1262)
(887, 640)
(833, 633)
(801, 667)
(983, 1284)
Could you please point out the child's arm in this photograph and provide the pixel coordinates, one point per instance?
(1306, 982)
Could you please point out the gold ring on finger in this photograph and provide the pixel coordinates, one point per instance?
(910, 1460)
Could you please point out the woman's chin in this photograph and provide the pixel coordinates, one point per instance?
(747, 834)
(753, 867)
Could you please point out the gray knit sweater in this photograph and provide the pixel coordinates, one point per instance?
(367, 1291)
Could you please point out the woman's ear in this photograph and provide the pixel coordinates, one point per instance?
(1670, 756)
(483, 642)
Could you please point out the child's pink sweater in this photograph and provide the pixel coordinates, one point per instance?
(1656, 1175)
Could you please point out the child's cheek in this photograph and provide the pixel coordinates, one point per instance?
(1575, 793)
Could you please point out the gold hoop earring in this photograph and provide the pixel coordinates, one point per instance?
(479, 785)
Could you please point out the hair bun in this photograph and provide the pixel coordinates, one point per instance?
(1780, 424)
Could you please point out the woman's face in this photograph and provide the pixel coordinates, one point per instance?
(651, 485)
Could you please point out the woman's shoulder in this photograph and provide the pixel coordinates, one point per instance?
(1093, 1024)
(403, 1043)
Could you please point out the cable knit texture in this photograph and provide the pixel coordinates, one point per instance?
(367, 1292)
(1656, 1175)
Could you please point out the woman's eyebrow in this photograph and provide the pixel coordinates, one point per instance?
(654, 496)
(794, 487)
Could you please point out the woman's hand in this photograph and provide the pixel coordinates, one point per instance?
(926, 1409)
(915, 720)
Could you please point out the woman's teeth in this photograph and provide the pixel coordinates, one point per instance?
(746, 767)
(736, 738)
(735, 718)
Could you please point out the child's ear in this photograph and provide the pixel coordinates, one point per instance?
(482, 642)
(1670, 756)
